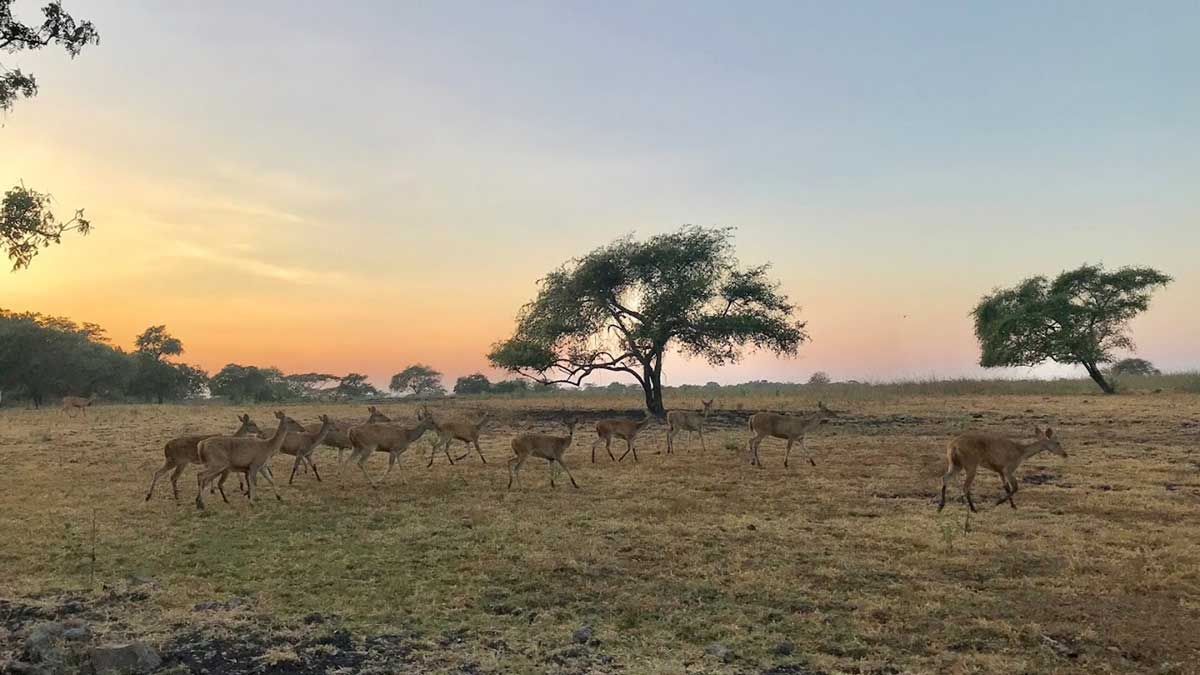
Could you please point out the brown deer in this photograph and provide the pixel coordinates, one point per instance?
(339, 436)
(788, 427)
(388, 437)
(185, 450)
(245, 454)
(683, 420)
(458, 430)
(624, 429)
(75, 403)
(301, 444)
(542, 446)
(1000, 454)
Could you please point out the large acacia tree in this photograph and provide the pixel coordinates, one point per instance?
(624, 306)
(1081, 317)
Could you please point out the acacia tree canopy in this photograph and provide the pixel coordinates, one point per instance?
(623, 306)
(419, 379)
(1080, 317)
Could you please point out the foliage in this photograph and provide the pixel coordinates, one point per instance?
(820, 377)
(240, 383)
(1081, 317)
(27, 224)
(57, 27)
(156, 343)
(419, 380)
(623, 306)
(46, 356)
(355, 385)
(310, 385)
(476, 383)
(512, 386)
(160, 380)
(1133, 366)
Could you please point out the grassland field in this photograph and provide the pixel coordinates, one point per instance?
(845, 567)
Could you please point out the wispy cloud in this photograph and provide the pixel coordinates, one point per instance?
(236, 258)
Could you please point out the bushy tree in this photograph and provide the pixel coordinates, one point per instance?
(26, 222)
(46, 356)
(240, 383)
(1133, 366)
(476, 383)
(157, 379)
(355, 385)
(1081, 317)
(819, 377)
(419, 380)
(310, 385)
(623, 306)
(512, 386)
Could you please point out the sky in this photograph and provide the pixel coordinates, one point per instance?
(359, 186)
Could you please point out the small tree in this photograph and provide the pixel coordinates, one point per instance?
(156, 342)
(1133, 366)
(355, 385)
(158, 379)
(418, 379)
(819, 377)
(512, 386)
(476, 383)
(1081, 317)
(26, 222)
(622, 307)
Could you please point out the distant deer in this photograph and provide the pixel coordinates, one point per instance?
(683, 420)
(185, 450)
(388, 437)
(74, 403)
(1000, 454)
(542, 446)
(624, 429)
(460, 430)
(788, 427)
(245, 454)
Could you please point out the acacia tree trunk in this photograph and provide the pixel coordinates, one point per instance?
(1098, 376)
(653, 389)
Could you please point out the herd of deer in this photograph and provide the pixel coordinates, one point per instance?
(249, 450)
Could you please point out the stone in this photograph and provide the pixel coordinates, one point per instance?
(719, 651)
(583, 634)
(40, 641)
(77, 634)
(127, 659)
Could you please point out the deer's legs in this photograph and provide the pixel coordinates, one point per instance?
(804, 444)
(553, 469)
(632, 447)
(701, 432)
(564, 467)
(594, 443)
(670, 440)
(175, 480)
(478, 451)
(754, 443)
(787, 452)
(159, 474)
(946, 478)
(1010, 489)
(271, 482)
(514, 469)
(967, 488)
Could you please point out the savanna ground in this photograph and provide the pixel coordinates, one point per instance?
(845, 567)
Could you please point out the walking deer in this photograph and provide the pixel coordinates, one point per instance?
(460, 430)
(1000, 454)
(245, 454)
(185, 450)
(542, 446)
(339, 436)
(76, 403)
(624, 429)
(684, 420)
(388, 437)
(788, 427)
(301, 444)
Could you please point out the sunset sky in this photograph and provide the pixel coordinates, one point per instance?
(359, 186)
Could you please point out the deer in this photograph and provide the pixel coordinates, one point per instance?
(542, 446)
(788, 427)
(1002, 455)
(338, 437)
(388, 437)
(301, 443)
(76, 403)
(245, 454)
(184, 450)
(461, 430)
(621, 428)
(683, 420)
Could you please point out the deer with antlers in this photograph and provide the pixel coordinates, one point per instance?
(791, 428)
(684, 420)
(388, 437)
(542, 446)
(625, 429)
(72, 404)
(1002, 455)
(185, 450)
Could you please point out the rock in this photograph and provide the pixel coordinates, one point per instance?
(77, 634)
(40, 643)
(583, 634)
(24, 668)
(135, 657)
(719, 651)
(783, 649)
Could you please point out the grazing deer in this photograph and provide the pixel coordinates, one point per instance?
(185, 450)
(460, 430)
(788, 427)
(245, 454)
(542, 446)
(682, 420)
(624, 429)
(391, 438)
(1000, 454)
(75, 403)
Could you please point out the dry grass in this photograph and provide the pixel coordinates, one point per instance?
(848, 561)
